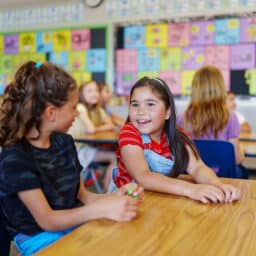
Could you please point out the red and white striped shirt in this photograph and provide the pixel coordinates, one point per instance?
(129, 135)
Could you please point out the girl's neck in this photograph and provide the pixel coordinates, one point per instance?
(39, 141)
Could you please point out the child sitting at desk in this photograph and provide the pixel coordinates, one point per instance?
(105, 96)
(92, 118)
(42, 194)
(152, 151)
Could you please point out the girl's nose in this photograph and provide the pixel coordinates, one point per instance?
(141, 110)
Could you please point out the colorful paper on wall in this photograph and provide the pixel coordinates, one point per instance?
(248, 29)
(148, 59)
(150, 74)
(96, 60)
(179, 34)
(126, 60)
(62, 40)
(193, 58)
(157, 35)
(44, 41)
(134, 37)
(125, 81)
(1, 44)
(227, 31)
(202, 33)
(217, 56)
(82, 77)
(38, 57)
(77, 61)
(11, 44)
(170, 58)
(186, 81)
(18, 60)
(59, 58)
(250, 78)
(242, 56)
(173, 80)
(80, 39)
(7, 64)
(2, 84)
(27, 42)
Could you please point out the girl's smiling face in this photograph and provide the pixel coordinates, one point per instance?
(147, 112)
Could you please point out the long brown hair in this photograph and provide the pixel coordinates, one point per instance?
(34, 87)
(207, 111)
(176, 138)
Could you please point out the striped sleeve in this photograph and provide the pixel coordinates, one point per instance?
(129, 135)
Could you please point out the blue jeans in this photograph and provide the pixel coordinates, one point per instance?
(28, 245)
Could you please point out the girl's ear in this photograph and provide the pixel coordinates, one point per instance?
(50, 113)
(168, 114)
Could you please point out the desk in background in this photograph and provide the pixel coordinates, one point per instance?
(170, 225)
(247, 137)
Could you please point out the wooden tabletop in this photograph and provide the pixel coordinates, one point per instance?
(170, 225)
(107, 137)
(249, 148)
(247, 137)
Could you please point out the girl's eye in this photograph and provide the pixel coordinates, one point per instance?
(151, 104)
(134, 105)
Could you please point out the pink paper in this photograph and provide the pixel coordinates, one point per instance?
(217, 56)
(81, 39)
(173, 80)
(126, 60)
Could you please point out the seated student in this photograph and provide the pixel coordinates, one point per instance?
(42, 195)
(105, 99)
(207, 115)
(152, 151)
(91, 119)
(231, 102)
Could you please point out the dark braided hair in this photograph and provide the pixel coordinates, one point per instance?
(33, 88)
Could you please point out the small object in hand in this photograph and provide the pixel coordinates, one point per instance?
(134, 194)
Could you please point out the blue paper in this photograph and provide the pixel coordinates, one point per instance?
(96, 60)
(44, 41)
(134, 37)
(149, 59)
(59, 58)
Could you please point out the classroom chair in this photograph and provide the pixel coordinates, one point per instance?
(220, 156)
(91, 176)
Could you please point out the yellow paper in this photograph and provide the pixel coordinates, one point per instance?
(157, 35)
(195, 29)
(1, 44)
(38, 57)
(186, 81)
(62, 40)
(150, 74)
(77, 61)
(19, 60)
(170, 59)
(233, 23)
(27, 42)
(82, 77)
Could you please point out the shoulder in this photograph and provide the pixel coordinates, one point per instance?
(62, 139)
(130, 135)
(233, 127)
(81, 108)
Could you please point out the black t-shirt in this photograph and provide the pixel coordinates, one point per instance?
(55, 170)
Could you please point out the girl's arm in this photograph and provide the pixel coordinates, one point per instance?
(136, 164)
(90, 127)
(107, 125)
(202, 174)
(116, 206)
(239, 154)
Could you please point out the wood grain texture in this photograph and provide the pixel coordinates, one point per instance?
(171, 225)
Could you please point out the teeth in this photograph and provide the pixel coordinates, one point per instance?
(142, 121)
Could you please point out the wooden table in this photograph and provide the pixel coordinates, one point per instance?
(249, 148)
(247, 137)
(107, 137)
(170, 225)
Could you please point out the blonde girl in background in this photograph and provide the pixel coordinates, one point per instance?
(152, 151)
(207, 115)
(42, 194)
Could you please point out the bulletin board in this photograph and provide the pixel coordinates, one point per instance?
(174, 51)
(83, 51)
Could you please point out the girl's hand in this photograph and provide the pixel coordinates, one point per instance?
(206, 193)
(118, 207)
(230, 193)
(133, 190)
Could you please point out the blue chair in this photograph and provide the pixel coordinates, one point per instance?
(220, 156)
